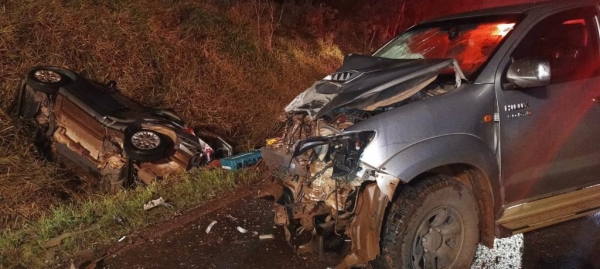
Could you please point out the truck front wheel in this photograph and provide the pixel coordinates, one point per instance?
(431, 224)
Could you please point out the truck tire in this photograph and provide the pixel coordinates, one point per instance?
(46, 79)
(431, 224)
(145, 145)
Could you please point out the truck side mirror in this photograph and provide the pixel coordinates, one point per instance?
(529, 73)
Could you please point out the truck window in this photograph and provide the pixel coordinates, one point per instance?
(568, 40)
(470, 42)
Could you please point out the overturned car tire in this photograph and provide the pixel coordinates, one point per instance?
(432, 224)
(145, 145)
(46, 79)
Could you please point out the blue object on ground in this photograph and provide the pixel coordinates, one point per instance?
(241, 160)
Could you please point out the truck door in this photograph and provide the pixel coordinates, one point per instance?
(549, 135)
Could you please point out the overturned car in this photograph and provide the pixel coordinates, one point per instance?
(432, 145)
(91, 127)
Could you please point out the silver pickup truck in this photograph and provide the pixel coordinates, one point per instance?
(459, 130)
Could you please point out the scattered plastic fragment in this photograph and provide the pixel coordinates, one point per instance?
(231, 217)
(153, 203)
(216, 164)
(122, 238)
(266, 236)
(242, 230)
(157, 202)
(210, 226)
(119, 221)
(272, 141)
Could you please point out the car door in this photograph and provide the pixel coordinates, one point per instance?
(549, 135)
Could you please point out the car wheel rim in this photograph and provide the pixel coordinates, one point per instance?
(439, 239)
(47, 76)
(145, 140)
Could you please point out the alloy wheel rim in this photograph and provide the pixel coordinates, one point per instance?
(145, 140)
(47, 76)
(439, 239)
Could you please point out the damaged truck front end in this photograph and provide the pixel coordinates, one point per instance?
(339, 194)
(333, 178)
(381, 147)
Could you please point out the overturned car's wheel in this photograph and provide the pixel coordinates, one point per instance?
(46, 79)
(145, 145)
(432, 224)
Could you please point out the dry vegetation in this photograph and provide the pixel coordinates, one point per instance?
(227, 67)
(212, 63)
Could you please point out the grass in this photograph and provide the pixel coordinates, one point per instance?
(24, 247)
(209, 60)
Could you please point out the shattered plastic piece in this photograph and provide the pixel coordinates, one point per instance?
(272, 141)
(122, 238)
(242, 230)
(216, 164)
(266, 236)
(154, 203)
(210, 226)
(231, 217)
(119, 221)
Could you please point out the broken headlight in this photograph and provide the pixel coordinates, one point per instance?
(346, 151)
(342, 150)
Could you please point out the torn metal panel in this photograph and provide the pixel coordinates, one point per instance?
(372, 77)
(339, 193)
(365, 228)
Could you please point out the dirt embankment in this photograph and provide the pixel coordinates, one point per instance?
(227, 67)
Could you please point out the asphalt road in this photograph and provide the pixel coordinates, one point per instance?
(574, 244)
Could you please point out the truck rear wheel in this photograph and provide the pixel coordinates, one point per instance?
(432, 224)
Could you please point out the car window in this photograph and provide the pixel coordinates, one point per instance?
(568, 40)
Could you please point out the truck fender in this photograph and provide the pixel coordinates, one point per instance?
(434, 152)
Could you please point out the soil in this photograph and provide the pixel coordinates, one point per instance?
(184, 243)
(189, 246)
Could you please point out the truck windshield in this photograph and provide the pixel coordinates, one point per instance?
(471, 44)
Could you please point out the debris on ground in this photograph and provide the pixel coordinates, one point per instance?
(266, 236)
(242, 230)
(232, 218)
(119, 221)
(157, 202)
(57, 240)
(122, 238)
(210, 226)
(216, 164)
(273, 141)
(241, 160)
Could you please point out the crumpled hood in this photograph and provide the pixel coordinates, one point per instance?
(367, 82)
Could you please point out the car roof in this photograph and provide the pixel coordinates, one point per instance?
(546, 6)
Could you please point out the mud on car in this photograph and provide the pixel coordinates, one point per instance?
(462, 129)
(90, 126)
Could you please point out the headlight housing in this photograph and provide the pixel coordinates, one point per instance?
(343, 150)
